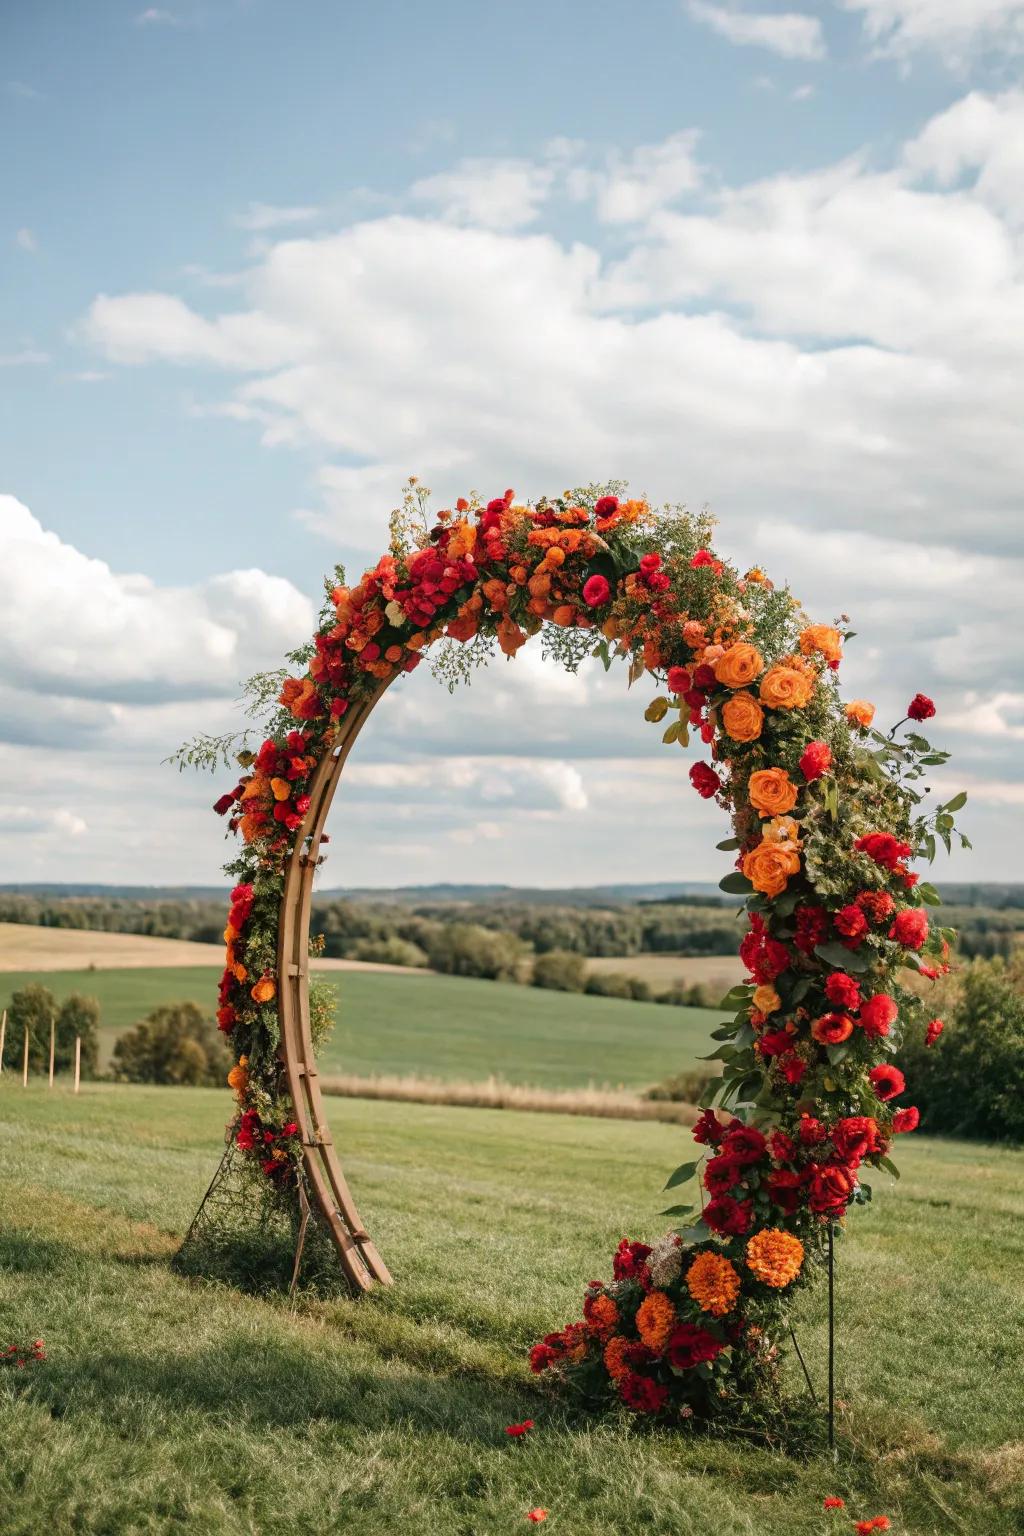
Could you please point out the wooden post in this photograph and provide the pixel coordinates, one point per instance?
(3, 1037)
(24, 1069)
(78, 1061)
(53, 1042)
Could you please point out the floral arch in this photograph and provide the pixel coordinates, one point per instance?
(827, 815)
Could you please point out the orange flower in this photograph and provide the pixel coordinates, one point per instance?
(766, 999)
(832, 1028)
(265, 990)
(601, 1313)
(786, 688)
(256, 788)
(300, 697)
(496, 595)
(824, 640)
(769, 866)
(564, 615)
(775, 1257)
(740, 665)
(510, 636)
(238, 1078)
(461, 540)
(742, 717)
(615, 1357)
(281, 789)
(771, 791)
(713, 1283)
(656, 1320)
(860, 712)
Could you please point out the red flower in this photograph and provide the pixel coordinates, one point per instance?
(877, 1014)
(745, 1143)
(832, 1028)
(811, 928)
(649, 563)
(728, 1216)
(876, 905)
(842, 991)
(775, 1042)
(709, 1130)
(536, 1515)
(542, 1356)
(920, 707)
(690, 1346)
(596, 591)
(852, 924)
(910, 928)
(705, 780)
(764, 957)
(811, 1132)
(883, 848)
(604, 506)
(704, 677)
(784, 1185)
(338, 708)
(705, 557)
(934, 1030)
(854, 1138)
(831, 1187)
(224, 804)
(515, 1430)
(888, 1081)
(226, 1018)
(815, 760)
(782, 1149)
(721, 1173)
(906, 1119)
(792, 1068)
(642, 1394)
(834, 1503)
(679, 680)
(629, 1259)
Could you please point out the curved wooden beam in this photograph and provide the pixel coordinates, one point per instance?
(331, 1195)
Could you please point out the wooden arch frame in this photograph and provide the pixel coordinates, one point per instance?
(360, 1261)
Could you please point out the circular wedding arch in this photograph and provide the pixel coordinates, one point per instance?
(826, 814)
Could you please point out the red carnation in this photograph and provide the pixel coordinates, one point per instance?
(728, 1216)
(888, 1081)
(883, 848)
(596, 591)
(910, 928)
(934, 1030)
(877, 1014)
(226, 1018)
(604, 506)
(721, 1173)
(906, 1119)
(876, 905)
(629, 1259)
(852, 924)
(921, 707)
(854, 1138)
(704, 677)
(705, 780)
(705, 557)
(690, 1346)
(815, 760)
(649, 563)
(842, 991)
(679, 680)
(811, 928)
(642, 1394)
(831, 1187)
(709, 1130)
(542, 1356)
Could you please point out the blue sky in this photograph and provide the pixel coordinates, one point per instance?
(261, 261)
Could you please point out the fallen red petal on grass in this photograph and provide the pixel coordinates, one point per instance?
(536, 1515)
(519, 1429)
(834, 1503)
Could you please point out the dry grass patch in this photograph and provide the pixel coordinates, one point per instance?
(603, 1103)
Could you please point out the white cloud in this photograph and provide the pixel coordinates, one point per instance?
(496, 194)
(955, 29)
(155, 16)
(26, 240)
(260, 217)
(28, 357)
(632, 187)
(25, 819)
(791, 34)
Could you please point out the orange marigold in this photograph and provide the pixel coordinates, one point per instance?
(713, 1283)
(656, 1321)
(775, 1257)
(601, 1313)
(615, 1357)
(265, 990)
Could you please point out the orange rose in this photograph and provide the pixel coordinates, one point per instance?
(822, 638)
(860, 712)
(786, 688)
(769, 866)
(740, 665)
(771, 791)
(766, 999)
(742, 717)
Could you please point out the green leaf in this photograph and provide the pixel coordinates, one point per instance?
(683, 1174)
(929, 894)
(889, 1166)
(736, 995)
(837, 1053)
(735, 884)
(656, 710)
(728, 844)
(957, 803)
(673, 732)
(695, 1232)
(929, 848)
(677, 1210)
(842, 958)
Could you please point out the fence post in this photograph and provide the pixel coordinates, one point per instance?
(78, 1061)
(53, 1040)
(24, 1068)
(3, 1037)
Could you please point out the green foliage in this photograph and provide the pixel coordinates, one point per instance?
(390, 951)
(971, 1081)
(617, 984)
(175, 1044)
(32, 1008)
(560, 971)
(78, 1016)
(466, 949)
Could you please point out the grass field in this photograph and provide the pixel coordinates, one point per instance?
(663, 971)
(439, 1026)
(173, 1406)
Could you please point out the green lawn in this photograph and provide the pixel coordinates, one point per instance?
(174, 1406)
(439, 1026)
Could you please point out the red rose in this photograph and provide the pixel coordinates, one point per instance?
(705, 780)
(705, 557)
(745, 1143)
(781, 1147)
(883, 848)
(815, 760)
(831, 1187)
(842, 991)
(920, 707)
(709, 1130)
(877, 1014)
(704, 677)
(679, 680)
(934, 1030)
(810, 1131)
(854, 1137)
(596, 591)
(906, 1119)
(852, 924)
(690, 1346)
(876, 905)
(604, 506)
(728, 1216)
(642, 1394)
(888, 1081)
(721, 1173)
(784, 1185)
(910, 928)
(792, 1068)
(811, 928)
(629, 1258)
(775, 1042)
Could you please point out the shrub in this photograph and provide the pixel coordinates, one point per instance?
(78, 1016)
(33, 1008)
(560, 971)
(971, 1082)
(698, 995)
(683, 1087)
(173, 1044)
(466, 949)
(389, 951)
(609, 984)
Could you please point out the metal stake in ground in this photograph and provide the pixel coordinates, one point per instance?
(831, 1339)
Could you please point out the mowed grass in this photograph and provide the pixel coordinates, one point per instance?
(168, 1405)
(437, 1026)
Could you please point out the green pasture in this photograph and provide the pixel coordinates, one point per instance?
(437, 1026)
(175, 1406)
